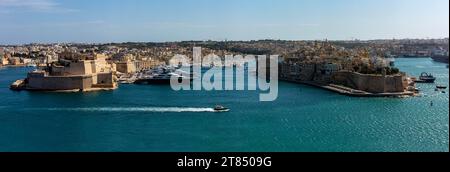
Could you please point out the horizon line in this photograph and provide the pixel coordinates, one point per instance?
(222, 40)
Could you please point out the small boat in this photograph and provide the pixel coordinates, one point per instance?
(219, 108)
(441, 87)
(18, 85)
(426, 78)
(31, 65)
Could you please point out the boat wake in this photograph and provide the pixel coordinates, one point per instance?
(135, 109)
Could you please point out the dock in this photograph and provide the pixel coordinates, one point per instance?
(343, 90)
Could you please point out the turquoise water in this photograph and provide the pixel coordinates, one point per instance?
(155, 118)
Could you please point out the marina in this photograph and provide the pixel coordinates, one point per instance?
(162, 75)
(201, 84)
(156, 118)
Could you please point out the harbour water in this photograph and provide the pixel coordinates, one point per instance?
(155, 118)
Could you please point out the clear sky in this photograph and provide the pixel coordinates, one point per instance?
(25, 21)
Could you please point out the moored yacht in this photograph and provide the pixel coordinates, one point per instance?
(160, 76)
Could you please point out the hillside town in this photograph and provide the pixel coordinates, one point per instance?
(361, 68)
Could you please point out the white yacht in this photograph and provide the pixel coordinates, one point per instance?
(160, 76)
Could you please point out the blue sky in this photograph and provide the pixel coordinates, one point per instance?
(25, 21)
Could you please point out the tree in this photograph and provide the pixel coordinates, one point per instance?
(395, 70)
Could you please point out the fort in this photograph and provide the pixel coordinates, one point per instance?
(330, 77)
(91, 74)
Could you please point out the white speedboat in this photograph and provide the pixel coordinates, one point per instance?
(219, 108)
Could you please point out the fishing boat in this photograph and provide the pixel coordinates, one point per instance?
(426, 78)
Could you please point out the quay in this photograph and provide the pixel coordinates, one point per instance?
(440, 58)
(343, 90)
(381, 81)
